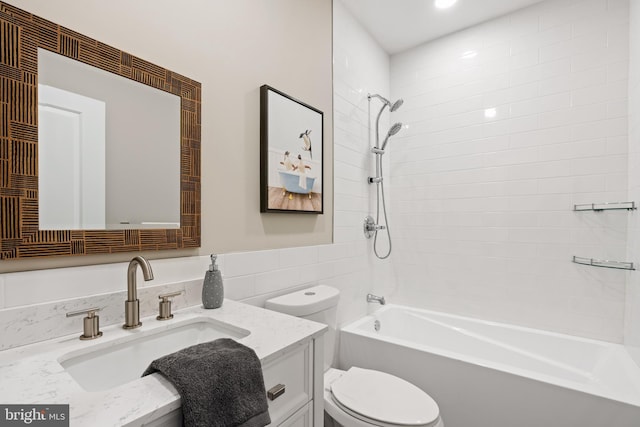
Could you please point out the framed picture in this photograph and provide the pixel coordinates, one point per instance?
(291, 164)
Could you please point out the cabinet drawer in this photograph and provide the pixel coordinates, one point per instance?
(288, 383)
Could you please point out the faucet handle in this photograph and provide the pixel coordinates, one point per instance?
(164, 297)
(165, 305)
(91, 329)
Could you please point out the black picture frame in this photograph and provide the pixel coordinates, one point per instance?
(291, 154)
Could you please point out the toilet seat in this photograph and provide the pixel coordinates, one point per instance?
(381, 399)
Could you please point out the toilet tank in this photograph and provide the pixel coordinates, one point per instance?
(319, 304)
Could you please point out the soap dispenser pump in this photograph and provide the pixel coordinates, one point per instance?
(212, 288)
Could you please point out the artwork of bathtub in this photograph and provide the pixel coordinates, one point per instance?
(290, 181)
(487, 374)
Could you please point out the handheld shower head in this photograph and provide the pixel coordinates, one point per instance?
(394, 129)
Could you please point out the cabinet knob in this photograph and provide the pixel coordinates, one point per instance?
(276, 391)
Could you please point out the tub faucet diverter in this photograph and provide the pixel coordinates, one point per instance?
(375, 298)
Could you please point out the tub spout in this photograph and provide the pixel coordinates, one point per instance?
(375, 298)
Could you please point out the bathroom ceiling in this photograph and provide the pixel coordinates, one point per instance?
(398, 25)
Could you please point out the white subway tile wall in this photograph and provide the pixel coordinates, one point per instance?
(361, 68)
(497, 148)
(632, 321)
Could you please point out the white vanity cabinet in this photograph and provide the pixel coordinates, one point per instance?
(292, 384)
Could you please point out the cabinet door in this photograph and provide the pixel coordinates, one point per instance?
(302, 418)
(288, 383)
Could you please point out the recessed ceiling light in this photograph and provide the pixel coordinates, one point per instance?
(444, 4)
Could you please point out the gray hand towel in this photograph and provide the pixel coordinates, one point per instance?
(220, 384)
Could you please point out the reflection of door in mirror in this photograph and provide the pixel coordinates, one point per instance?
(140, 167)
(71, 169)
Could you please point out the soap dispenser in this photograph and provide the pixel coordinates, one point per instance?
(212, 289)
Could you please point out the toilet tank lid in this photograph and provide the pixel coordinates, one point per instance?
(306, 301)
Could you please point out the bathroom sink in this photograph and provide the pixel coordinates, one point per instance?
(109, 364)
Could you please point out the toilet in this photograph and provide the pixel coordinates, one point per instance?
(358, 397)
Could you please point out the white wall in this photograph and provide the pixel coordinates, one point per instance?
(483, 205)
(632, 324)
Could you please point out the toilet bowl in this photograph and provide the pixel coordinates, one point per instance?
(358, 397)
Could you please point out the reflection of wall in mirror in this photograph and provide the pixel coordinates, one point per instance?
(143, 140)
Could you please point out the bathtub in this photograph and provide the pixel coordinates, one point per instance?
(291, 180)
(487, 374)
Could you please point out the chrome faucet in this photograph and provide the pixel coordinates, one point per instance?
(375, 298)
(132, 304)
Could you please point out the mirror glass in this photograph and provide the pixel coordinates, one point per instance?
(108, 149)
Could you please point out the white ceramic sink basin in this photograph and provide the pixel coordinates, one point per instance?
(109, 364)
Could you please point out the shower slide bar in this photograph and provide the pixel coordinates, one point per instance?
(604, 263)
(598, 207)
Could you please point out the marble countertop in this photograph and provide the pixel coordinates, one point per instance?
(32, 374)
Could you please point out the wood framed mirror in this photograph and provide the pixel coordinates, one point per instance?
(24, 35)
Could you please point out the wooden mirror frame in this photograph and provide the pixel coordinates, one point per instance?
(22, 34)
